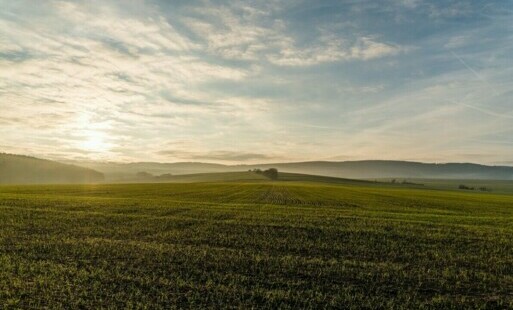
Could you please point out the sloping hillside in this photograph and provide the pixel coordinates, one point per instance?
(115, 172)
(365, 169)
(245, 176)
(18, 169)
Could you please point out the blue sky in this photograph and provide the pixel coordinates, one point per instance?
(257, 81)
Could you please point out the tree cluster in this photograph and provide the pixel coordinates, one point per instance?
(482, 188)
(271, 173)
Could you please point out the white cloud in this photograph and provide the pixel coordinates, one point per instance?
(332, 49)
(153, 32)
(233, 35)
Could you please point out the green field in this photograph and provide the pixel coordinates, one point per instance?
(254, 244)
(492, 186)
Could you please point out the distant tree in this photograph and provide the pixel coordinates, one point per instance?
(271, 173)
(463, 186)
(393, 181)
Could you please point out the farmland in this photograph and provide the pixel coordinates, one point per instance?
(254, 243)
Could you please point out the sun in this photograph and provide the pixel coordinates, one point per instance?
(94, 141)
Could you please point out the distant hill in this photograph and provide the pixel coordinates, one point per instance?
(370, 169)
(18, 169)
(365, 169)
(126, 171)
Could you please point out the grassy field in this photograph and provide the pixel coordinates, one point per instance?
(246, 176)
(254, 245)
(492, 186)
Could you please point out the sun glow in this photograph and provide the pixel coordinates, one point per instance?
(94, 141)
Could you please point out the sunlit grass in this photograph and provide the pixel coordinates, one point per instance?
(244, 245)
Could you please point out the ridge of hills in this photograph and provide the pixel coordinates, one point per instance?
(20, 169)
(364, 169)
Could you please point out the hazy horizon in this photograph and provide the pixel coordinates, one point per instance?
(71, 161)
(238, 82)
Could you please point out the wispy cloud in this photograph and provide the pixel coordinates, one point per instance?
(218, 156)
(236, 32)
(332, 49)
(245, 81)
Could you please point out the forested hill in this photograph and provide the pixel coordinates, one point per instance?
(19, 169)
(365, 169)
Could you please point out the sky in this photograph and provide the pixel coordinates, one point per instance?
(257, 81)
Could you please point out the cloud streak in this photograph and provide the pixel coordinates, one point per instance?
(247, 82)
(229, 156)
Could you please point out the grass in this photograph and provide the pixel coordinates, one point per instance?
(245, 176)
(254, 245)
(214, 177)
(494, 186)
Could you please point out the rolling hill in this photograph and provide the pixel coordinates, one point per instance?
(24, 169)
(365, 169)
(369, 169)
(245, 176)
(18, 169)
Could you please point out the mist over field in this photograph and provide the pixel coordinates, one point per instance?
(285, 154)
